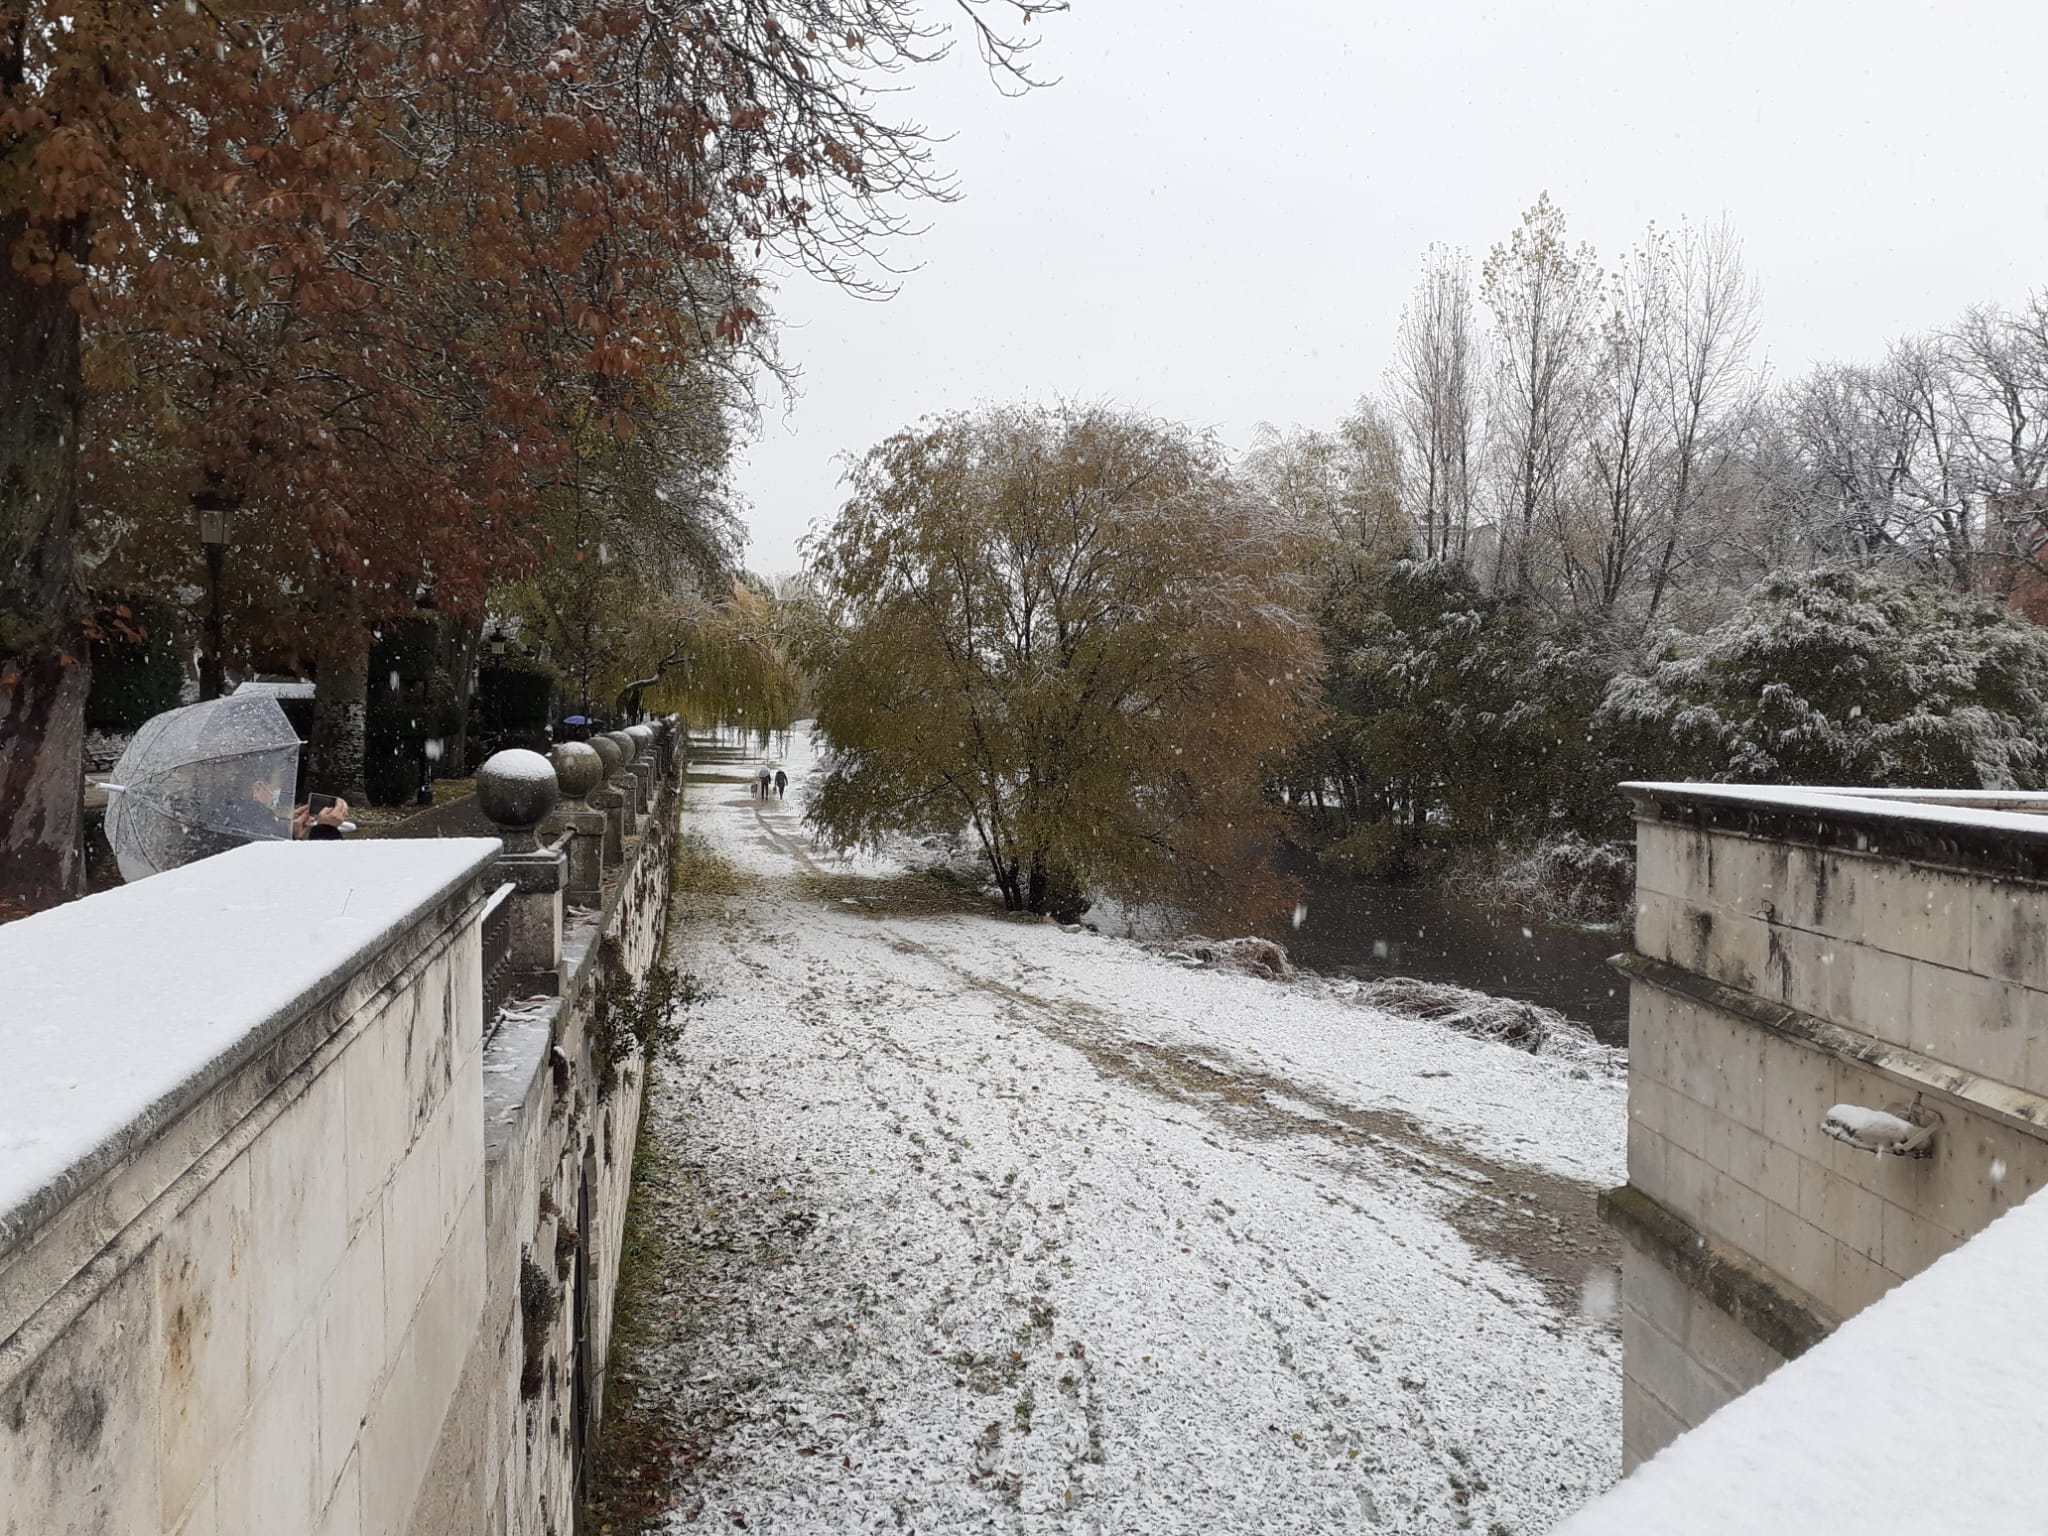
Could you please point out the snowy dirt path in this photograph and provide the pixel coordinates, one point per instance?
(989, 1227)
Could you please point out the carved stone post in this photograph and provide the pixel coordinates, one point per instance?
(643, 767)
(618, 795)
(629, 776)
(579, 770)
(609, 801)
(647, 761)
(516, 789)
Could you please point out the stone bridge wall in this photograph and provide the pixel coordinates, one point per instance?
(558, 1158)
(1796, 950)
(292, 1239)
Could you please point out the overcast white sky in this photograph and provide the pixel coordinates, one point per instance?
(1218, 211)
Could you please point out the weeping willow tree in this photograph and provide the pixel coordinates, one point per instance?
(734, 661)
(1075, 634)
(626, 646)
(643, 551)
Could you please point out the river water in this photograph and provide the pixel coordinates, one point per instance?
(1380, 928)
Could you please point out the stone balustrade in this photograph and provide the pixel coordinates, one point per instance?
(297, 1233)
(579, 772)
(623, 783)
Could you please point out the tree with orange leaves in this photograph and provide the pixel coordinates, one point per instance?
(371, 270)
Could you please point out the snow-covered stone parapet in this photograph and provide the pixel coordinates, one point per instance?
(1838, 1066)
(1924, 1413)
(281, 1230)
(123, 1011)
(1918, 919)
(241, 1197)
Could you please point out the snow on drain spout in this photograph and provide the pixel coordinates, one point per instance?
(1902, 1130)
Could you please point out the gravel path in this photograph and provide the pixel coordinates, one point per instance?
(981, 1226)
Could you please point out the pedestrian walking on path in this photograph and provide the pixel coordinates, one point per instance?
(781, 783)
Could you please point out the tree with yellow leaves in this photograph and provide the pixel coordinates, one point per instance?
(1075, 633)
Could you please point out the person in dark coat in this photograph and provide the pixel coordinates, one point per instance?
(781, 783)
(248, 816)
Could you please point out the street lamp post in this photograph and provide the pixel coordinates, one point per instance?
(213, 508)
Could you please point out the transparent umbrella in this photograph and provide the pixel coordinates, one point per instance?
(201, 780)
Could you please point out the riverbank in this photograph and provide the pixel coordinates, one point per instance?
(1357, 926)
(975, 1223)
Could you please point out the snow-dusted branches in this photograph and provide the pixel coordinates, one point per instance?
(1845, 676)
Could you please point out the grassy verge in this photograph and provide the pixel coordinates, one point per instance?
(639, 1455)
(642, 1452)
(699, 871)
(915, 893)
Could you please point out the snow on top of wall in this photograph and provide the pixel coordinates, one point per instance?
(521, 764)
(1893, 805)
(1922, 1413)
(1989, 799)
(110, 1007)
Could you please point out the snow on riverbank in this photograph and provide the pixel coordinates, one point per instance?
(1548, 1112)
(990, 1226)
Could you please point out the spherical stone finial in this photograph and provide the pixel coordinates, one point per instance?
(608, 751)
(578, 768)
(628, 747)
(516, 789)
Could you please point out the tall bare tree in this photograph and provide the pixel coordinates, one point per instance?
(1544, 296)
(1999, 360)
(1886, 452)
(1434, 386)
(1627, 459)
(1709, 386)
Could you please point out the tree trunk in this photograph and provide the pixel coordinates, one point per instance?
(1008, 883)
(464, 640)
(1054, 892)
(334, 755)
(44, 663)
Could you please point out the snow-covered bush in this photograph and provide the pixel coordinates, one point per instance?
(1454, 716)
(1844, 677)
(1255, 957)
(1565, 878)
(1507, 1020)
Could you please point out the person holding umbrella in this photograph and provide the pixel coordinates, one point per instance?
(203, 779)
